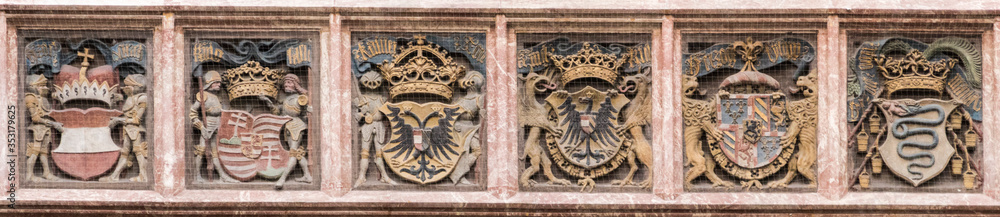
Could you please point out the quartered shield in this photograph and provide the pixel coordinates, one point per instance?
(916, 145)
(424, 146)
(251, 145)
(752, 126)
(589, 121)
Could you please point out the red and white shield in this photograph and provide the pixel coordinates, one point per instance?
(85, 149)
(250, 145)
(418, 139)
(587, 123)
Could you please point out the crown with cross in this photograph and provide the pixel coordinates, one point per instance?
(85, 83)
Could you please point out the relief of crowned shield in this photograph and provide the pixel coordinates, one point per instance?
(916, 145)
(751, 138)
(424, 146)
(588, 120)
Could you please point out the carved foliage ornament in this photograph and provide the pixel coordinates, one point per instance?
(750, 126)
(243, 137)
(428, 138)
(589, 132)
(917, 136)
(86, 147)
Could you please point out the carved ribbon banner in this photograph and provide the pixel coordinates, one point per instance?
(536, 58)
(294, 52)
(45, 56)
(961, 83)
(128, 56)
(724, 56)
(367, 53)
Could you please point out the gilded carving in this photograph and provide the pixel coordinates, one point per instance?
(751, 127)
(420, 110)
(250, 112)
(590, 122)
(90, 98)
(923, 104)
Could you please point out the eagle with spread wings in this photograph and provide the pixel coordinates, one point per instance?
(423, 142)
(587, 127)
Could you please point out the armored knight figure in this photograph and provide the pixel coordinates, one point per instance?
(295, 105)
(372, 130)
(41, 125)
(208, 106)
(132, 133)
(472, 102)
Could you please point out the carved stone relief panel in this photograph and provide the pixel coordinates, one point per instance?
(915, 110)
(755, 126)
(419, 109)
(584, 109)
(86, 109)
(249, 112)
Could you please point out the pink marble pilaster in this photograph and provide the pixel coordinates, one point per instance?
(336, 98)
(667, 171)
(501, 115)
(8, 55)
(168, 82)
(832, 154)
(677, 125)
(991, 113)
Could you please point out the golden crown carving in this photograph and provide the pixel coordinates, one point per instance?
(914, 72)
(252, 79)
(589, 62)
(421, 68)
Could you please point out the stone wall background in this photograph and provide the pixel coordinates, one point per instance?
(666, 21)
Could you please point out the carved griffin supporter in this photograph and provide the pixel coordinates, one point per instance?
(637, 115)
(698, 122)
(801, 131)
(534, 116)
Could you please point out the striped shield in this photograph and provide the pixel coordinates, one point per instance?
(251, 145)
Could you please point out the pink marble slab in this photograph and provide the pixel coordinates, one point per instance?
(8, 57)
(167, 95)
(831, 150)
(501, 143)
(667, 145)
(991, 114)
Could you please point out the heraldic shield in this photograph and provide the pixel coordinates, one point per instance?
(917, 145)
(86, 148)
(424, 146)
(588, 120)
(751, 138)
(251, 145)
